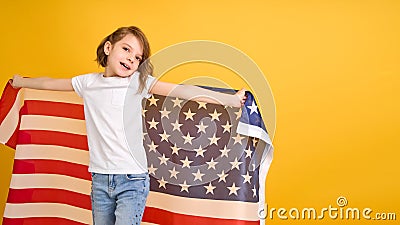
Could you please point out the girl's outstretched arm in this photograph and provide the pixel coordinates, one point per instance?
(195, 93)
(43, 83)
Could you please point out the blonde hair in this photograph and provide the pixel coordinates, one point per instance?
(145, 67)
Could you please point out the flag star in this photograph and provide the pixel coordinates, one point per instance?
(246, 177)
(152, 147)
(224, 152)
(188, 138)
(200, 151)
(186, 162)
(177, 102)
(163, 159)
(189, 115)
(253, 167)
(210, 188)
(248, 152)
(152, 170)
(176, 125)
(215, 115)
(238, 113)
(202, 105)
(238, 139)
(198, 175)
(144, 136)
(153, 101)
(144, 112)
(227, 127)
(211, 164)
(162, 183)
(254, 191)
(214, 140)
(153, 124)
(235, 164)
(165, 113)
(184, 186)
(222, 176)
(173, 173)
(233, 189)
(175, 149)
(253, 108)
(201, 127)
(255, 142)
(164, 136)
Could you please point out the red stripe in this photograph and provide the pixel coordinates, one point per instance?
(47, 108)
(163, 217)
(36, 195)
(43, 137)
(7, 100)
(12, 141)
(39, 221)
(51, 167)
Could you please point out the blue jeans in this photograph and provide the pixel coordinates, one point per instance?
(119, 199)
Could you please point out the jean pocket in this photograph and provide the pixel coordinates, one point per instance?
(135, 177)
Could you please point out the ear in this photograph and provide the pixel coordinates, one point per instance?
(107, 47)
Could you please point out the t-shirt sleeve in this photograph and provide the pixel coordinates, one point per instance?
(149, 84)
(79, 83)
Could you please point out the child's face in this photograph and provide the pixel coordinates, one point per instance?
(124, 56)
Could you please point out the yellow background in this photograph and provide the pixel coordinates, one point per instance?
(333, 67)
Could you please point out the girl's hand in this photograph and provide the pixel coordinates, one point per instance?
(241, 95)
(16, 81)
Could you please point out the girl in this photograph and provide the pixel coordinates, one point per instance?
(120, 181)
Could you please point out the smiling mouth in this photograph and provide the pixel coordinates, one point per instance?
(124, 65)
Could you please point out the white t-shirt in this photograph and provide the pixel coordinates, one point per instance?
(114, 147)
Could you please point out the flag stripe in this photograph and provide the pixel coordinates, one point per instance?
(7, 101)
(253, 131)
(47, 210)
(53, 96)
(12, 141)
(203, 207)
(52, 123)
(39, 220)
(50, 195)
(32, 166)
(9, 122)
(53, 152)
(52, 138)
(60, 109)
(21, 181)
(164, 217)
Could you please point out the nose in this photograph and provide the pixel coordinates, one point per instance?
(130, 59)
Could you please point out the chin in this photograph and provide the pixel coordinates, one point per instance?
(126, 74)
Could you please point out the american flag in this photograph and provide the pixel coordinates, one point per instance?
(208, 163)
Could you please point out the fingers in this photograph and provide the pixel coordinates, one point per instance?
(242, 96)
(14, 81)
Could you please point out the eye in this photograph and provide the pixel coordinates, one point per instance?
(138, 58)
(125, 49)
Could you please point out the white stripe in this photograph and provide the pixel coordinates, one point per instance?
(53, 96)
(53, 123)
(253, 131)
(22, 181)
(52, 152)
(48, 210)
(204, 207)
(10, 122)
